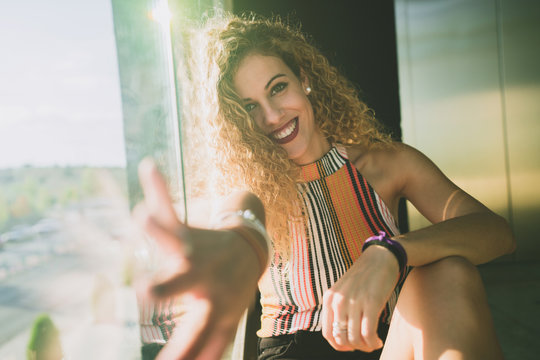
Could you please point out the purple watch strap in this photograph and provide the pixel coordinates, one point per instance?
(392, 245)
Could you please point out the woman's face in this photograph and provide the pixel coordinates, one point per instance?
(277, 101)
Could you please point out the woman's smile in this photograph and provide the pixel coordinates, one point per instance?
(286, 133)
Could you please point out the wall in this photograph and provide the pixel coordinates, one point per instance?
(470, 91)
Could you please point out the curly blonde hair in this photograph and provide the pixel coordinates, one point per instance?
(243, 155)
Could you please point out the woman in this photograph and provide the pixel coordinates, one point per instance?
(291, 131)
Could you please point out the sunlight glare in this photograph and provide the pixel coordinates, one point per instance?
(161, 13)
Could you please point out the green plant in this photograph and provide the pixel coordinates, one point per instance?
(44, 343)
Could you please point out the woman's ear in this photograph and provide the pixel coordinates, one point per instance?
(305, 82)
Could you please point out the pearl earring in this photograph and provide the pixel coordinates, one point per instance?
(308, 90)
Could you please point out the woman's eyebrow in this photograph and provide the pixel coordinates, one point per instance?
(267, 85)
(272, 79)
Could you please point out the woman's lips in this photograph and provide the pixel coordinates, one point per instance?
(286, 133)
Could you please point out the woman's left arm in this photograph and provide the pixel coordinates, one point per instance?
(462, 226)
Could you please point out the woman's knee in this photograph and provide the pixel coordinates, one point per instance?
(449, 287)
(443, 306)
(454, 272)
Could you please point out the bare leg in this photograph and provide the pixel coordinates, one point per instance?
(442, 313)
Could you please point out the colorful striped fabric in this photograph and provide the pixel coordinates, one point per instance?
(158, 319)
(342, 211)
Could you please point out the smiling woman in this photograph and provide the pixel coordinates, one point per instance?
(314, 100)
(287, 128)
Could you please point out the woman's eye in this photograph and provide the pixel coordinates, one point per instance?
(278, 88)
(249, 107)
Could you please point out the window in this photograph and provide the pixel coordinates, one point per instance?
(88, 89)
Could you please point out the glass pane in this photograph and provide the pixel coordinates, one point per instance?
(153, 44)
(64, 213)
(148, 90)
(151, 64)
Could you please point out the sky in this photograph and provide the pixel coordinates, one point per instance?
(59, 87)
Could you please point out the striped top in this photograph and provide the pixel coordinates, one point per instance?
(342, 211)
(158, 319)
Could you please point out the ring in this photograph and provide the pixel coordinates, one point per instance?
(339, 328)
(337, 333)
(340, 325)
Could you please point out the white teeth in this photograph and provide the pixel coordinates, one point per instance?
(285, 132)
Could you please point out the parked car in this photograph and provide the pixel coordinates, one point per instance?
(46, 226)
(2, 241)
(17, 233)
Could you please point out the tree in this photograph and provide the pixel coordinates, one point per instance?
(90, 183)
(43, 201)
(21, 207)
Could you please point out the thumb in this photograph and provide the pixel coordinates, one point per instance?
(156, 194)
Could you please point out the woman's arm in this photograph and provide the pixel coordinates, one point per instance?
(215, 271)
(462, 226)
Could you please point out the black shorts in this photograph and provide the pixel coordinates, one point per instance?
(307, 345)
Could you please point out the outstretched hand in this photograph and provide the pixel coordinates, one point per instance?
(210, 271)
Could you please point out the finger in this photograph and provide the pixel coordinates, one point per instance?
(355, 338)
(217, 342)
(340, 310)
(339, 332)
(368, 330)
(175, 285)
(328, 318)
(190, 334)
(341, 341)
(156, 194)
(172, 242)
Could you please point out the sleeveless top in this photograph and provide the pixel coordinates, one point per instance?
(342, 210)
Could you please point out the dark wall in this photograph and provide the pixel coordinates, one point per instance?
(358, 37)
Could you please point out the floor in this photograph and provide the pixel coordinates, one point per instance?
(514, 296)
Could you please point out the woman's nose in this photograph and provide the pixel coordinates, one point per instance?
(272, 114)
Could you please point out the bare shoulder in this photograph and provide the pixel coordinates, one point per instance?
(398, 171)
(361, 155)
(421, 182)
(385, 160)
(400, 166)
(417, 171)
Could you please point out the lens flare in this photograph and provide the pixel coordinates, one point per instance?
(161, 13)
